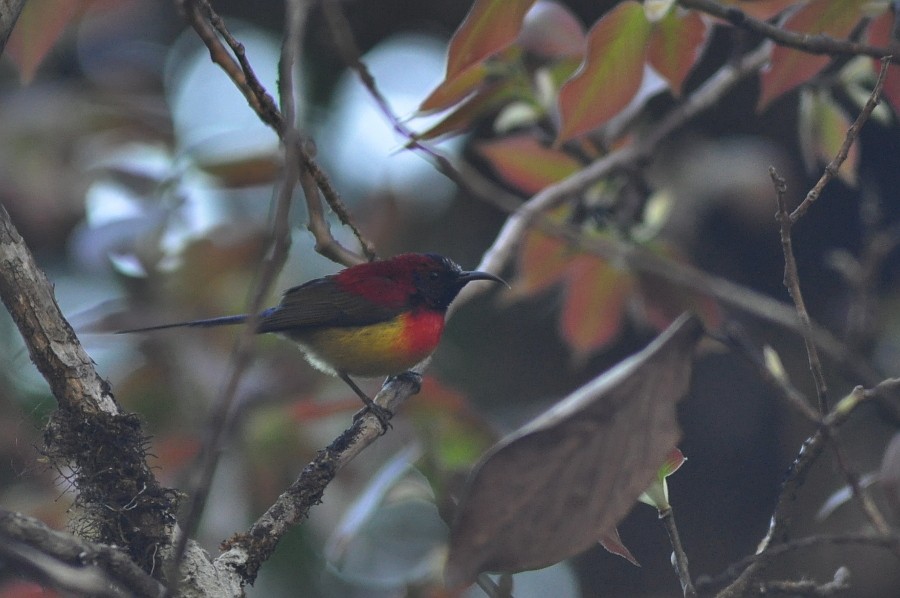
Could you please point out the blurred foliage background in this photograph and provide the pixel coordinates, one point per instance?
(142, 182)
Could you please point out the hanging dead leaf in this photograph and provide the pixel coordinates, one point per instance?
(562, 483)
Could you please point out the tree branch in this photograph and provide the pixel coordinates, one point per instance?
(9, 14)
(812, 44)
(70, 563)
(247, 551)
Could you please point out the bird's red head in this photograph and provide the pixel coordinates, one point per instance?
(410, 280)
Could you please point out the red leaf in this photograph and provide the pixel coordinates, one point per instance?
(610, 74)
(593, 310)
(525, 163)
(880, 35)
(790, 67)
(490, 26)
(674, 46)
(613, 543)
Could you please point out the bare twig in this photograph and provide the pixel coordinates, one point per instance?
(812, 448)
(246, 552)
(209, 27)
(735, 570)
(278, 247)
(839, 584)
(831, 170)
(813, 44)
(738, 340)
(679, 556)
(792, 283)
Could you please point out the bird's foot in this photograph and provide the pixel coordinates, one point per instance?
(381, 414)
(410, 377)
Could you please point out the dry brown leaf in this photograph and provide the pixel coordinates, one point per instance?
(559, 484)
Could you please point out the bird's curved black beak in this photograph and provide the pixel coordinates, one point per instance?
(467, 277)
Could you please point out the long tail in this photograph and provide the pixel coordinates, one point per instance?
(221, 321)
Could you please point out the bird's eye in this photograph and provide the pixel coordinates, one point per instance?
(433, 275)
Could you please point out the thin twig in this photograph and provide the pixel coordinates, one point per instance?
(812, 44)
(810, 451)
(246, 552)
(209, 27)
(679, 560)
(705, 583)
(831, 170)
(792, 283)
(278, 247)
(737, 340)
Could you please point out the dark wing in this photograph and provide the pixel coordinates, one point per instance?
(321, 302)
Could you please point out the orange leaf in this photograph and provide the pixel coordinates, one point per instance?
(452, 91)
(595, 300)
(525, 163)
(490, 26)
(790, 67)
(610, 74)
(470, 110)
(675, 45)
(39, 27)
(541, 263)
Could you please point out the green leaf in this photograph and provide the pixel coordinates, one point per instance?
(611, 72)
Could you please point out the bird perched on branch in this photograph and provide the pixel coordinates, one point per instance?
(374, 319)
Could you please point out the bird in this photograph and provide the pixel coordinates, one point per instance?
(372, 319)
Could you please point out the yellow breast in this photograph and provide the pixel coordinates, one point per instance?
(378, 349)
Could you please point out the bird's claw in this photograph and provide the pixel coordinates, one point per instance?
(381, 414)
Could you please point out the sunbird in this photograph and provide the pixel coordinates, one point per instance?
(373, 319)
